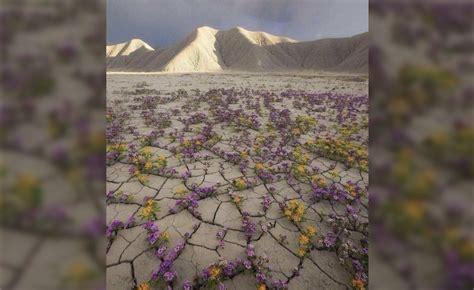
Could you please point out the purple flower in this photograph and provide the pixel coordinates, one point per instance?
(187, 286)
(169, 276)
(249, 227)
(150, 226)
(247, 264)
(113, 227)
(186, 175)
(222, 286)
(229, 269)
(260, 277)
(152, 237)
(250, 250)
(160, 251)
(280, 285)
(266, 203)
(179, 247)
(330, 239)
(130, 222)
(109, 194)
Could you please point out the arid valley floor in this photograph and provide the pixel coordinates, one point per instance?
(237, 181)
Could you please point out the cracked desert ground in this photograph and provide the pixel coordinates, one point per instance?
(237, 181)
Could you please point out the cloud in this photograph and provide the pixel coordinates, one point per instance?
(165, 22)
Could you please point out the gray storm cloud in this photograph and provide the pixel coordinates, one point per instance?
(165, 22)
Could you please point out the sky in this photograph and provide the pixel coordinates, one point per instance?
(162, 23)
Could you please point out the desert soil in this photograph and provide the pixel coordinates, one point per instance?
(225, 195)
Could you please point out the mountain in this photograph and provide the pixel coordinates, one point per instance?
(127, 48)
(238, 49)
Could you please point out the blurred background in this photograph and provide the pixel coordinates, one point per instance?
(52, 128)
(421, 145)
(52, 124)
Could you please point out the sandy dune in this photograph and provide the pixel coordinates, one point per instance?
(210, 50)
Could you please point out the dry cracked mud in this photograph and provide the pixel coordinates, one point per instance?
(221, 181)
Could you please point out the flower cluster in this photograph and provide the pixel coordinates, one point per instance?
(240, 183)
(190, 202)
(304, 240)
(294, 211)
(305, 123)
(119, 197)
(348, 152)
(165, 273)
(266, 201)
(114, 151)
(156, 238)
(113, 228)
(149, 209)
(236, 198)
(248, 226)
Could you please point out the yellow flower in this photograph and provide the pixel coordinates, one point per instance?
(165, 236)
(296, 131)
(237, 199)
(144, 286)
(262, 287)
(214, 272)
(148, 165)
(240, 183)
(301, 252)
(310, 230)
(358, 284)
(300, 169)
(147, 211)
(259, 166)
(300, 210)
(161, 158)
(296, 218)
(319, 181)
(303, 240)
(180, 191)
(142, 178)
